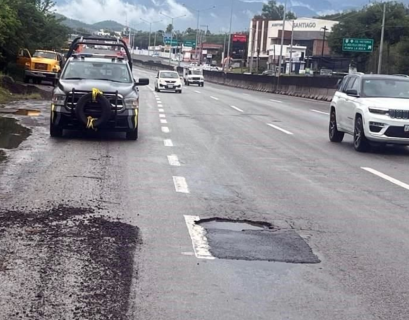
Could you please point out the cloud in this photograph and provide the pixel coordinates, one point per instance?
(249, 14)
(92, 11)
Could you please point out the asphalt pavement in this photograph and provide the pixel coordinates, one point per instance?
(213, 152)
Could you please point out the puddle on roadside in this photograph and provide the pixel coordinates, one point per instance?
(12, 134)
(233, 225)
(22, 112)
(2, 156)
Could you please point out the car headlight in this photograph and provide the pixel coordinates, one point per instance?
(379, 110)
(131, 103)
(59, 99)
(27, 65)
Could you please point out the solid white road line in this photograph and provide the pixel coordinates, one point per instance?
(168, 143)
(388, 178)
(321, 112)
(238, 109)
(197, 91)
(161, 115)
(163, 121)
(278, 101)
(180, 185)
(214, 98)
(173, 160)
(278, 128)
(161, 110)
(165, 129)
(198, 235)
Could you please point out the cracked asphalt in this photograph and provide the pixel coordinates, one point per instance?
(92, 227)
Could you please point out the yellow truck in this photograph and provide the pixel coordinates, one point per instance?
(42, 65)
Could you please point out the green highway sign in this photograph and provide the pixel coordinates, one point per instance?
(190, 44)
(174, 42)
(357, 45)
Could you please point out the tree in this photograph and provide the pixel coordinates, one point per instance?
(169, 28)
(366, 23)
(272, 11)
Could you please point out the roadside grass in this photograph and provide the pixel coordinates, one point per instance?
(6, 96)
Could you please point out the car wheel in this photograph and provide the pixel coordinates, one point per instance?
(334, 134)
(26, 79)
(361, 143)
(187, 84)
(179, 91)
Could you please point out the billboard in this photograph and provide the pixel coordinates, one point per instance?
(239, 46)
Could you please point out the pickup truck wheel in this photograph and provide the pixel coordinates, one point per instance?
(334, 134)
(202, 84)
(187, 83)
(361, 143)
(132, 135)
(55, 132)
(26, 79)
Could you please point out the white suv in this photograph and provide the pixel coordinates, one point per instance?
(372, 108)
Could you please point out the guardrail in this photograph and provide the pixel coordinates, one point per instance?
(318, 88)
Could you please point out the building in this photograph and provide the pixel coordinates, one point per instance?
(307, 34)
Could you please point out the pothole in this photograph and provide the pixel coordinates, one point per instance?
(234, 225)
(252, 241)
(12, 134)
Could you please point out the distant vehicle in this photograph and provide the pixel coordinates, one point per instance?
(372, 108)
(96, 92)
(268, 73)
(193, 75)
(43, 65)
(168, 80)
(155, 54)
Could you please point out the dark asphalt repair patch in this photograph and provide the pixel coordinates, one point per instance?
(65, 263)
(11, 133)
(247, 240)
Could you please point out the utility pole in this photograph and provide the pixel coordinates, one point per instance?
(252, 48)
(382, 37)
(231, 21)
(171, 34)
(291, 47)
(323, 40)
(150, 31)
(202, 40)
(282, 44)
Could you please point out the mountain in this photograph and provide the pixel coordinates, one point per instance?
(130, 12)
(76, 24)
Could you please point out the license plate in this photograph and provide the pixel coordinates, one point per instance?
(406, 128)
(170, 86)
(41, 66)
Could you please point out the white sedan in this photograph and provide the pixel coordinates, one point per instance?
(372, 108)
(168, 80)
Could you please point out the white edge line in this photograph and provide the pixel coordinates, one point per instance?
(280, 129)
(214, 98)
(165, 129)
(238, 109)
(173, 160)
(180, 184)
(321, 112)
(197, 91)
(199, 241)
(278, 101)
(386, 177)
(168, 143)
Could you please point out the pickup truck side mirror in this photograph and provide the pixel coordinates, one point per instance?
(142, 82)
(352, 93)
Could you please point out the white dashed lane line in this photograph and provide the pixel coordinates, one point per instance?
(168, 143)
(235, 108)
(386, 177)
(165, 129)
(163, 121)
(320, 112)
(279, 129)
(197, 91)
(162, 115)
(214, 98)
(161, 110)
(173, 160)
(277, 101)
(197, 233)
(180, 184)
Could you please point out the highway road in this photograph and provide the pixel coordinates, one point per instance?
(340, 217)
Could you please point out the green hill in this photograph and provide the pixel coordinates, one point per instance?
(76, 24)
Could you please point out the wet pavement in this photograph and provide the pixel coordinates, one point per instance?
(12, 134)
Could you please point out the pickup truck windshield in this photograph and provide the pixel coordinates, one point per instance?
(45, 55)
(97, 71)
(196, 72)
(385, 88)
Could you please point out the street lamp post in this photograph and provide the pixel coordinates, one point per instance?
(201, 42)
(150, 31)
(382, 37)
(171, 34)
(231, 22)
